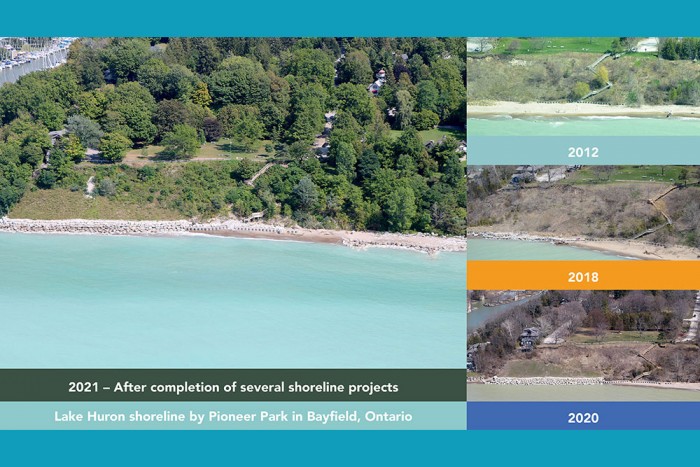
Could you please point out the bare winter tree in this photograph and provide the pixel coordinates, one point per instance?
(677, 361)
(509, 326)
(484, 43)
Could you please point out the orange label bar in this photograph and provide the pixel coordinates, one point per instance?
(583, 275)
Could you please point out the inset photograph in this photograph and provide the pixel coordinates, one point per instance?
(576, 86)
(584, 212)
(550, 345)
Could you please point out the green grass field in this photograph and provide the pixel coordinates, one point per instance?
(588, 336)
(61, 203)
(551, 45)
(628, 173)
(222, 149)
(533, 368)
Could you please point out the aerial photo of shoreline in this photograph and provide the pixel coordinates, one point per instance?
(624, 86)
(583, 345)
(584, 212)
(157, 170)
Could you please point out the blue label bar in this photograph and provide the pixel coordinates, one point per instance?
(583, 415)
(232, 416)
(280, 18)
(583, 150)
(222, 19)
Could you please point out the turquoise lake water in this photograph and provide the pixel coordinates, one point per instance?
(583, 126)
(605, 392)
(482, 314)
(207, 302)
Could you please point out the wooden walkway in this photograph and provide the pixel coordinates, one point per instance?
(654, 202)
(251, 181)
(593, 65)
(265, 168)
(592, 68)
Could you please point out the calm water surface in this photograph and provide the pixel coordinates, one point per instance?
(583, 126)
(94, 301)
(606, 392)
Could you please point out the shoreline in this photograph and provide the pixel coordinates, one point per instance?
(626, 248)
(578, 109)
(426, 243)
(578, 381)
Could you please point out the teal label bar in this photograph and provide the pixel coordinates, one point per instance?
(583, 150)
(233, 416)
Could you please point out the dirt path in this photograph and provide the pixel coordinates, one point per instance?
(557, 337)
(694, 322)
(90, 187)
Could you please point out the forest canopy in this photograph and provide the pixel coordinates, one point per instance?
(374, 171)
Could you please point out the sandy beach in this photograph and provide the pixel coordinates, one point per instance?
(427, 243)
(577, 109)
(419, 242)
(640, 250)
(629, 248)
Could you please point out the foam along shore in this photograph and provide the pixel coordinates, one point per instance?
(660, 384)
(628, 248)
(544, 381)
(234, 228)
(578, 381)
(577, 109)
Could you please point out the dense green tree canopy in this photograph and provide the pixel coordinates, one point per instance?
(125, 57)
(266, 100)
(242, 124)
(181, 143)
(114, 146)
(313, 66)
(129, 110)
(87, 130)
(355, 68)
(239, 80)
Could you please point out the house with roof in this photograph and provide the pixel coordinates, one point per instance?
(528, 338)
(472, 352)
(381, 79)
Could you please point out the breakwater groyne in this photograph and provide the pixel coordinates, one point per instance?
(121, 227)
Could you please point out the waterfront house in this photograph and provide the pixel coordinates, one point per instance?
(472, 350)
(374, 87)
(528, 338)
(381, 79)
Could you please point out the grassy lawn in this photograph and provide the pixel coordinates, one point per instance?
(588, 336)
(436, 133)
(227, 149)
(222, 149)
(62, 203)
(552, 45)
(644, 173)
(640, 59)
(532, 368)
